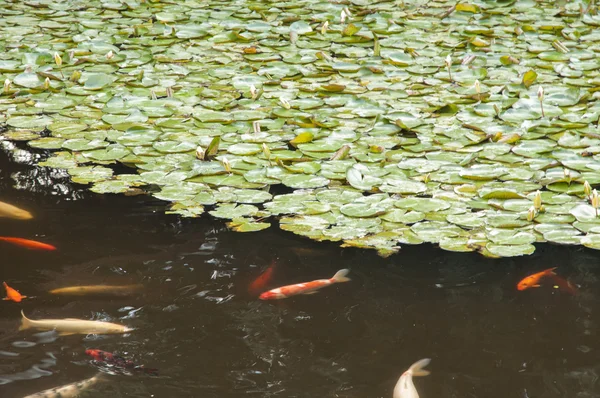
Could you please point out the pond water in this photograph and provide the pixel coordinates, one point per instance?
(196, 322)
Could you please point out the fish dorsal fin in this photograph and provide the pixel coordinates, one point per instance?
(73, 319)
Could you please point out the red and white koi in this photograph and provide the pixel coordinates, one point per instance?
(304, 288)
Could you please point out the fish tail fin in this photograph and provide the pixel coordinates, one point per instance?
(25, 322)
(4, 284)
(550, 271)
(340, 276)
(416, 369)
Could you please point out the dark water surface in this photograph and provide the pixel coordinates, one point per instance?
(196, 322)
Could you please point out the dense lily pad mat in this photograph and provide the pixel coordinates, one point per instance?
(391, 122)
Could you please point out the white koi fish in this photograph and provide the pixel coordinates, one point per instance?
(10, 211)
(405, 387)
(68, 390)
(73, 326)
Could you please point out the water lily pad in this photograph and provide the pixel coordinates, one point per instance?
(510, 250)
(592, 241)
(232, 211)
(110, 186)
(242, 224)
(29, 122)
(422, 204)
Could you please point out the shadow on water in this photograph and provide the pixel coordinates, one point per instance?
(196, 322)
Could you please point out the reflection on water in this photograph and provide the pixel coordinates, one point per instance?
(197, 323)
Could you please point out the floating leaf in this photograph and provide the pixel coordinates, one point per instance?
(529, 78)
(510, 250)
(247, 225)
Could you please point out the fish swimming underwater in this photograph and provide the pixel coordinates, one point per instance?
(28, 243)
(67, 390)
(405, 387)
(118, 361)
(304, 288)
(104, 290)
(258, 285)
(12, 294)
(558, 281)
(73, 326)
(534, 279)
(10, 211)
(564, 285)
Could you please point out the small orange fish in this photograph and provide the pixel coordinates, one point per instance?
(259, 284)
(304, 288)
(27, 243)
(12, 294)
(534, 280)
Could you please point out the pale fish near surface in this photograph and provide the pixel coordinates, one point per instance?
(10, 211)
(68, 390)
(117, 290)
(73, 326)
(405, 387)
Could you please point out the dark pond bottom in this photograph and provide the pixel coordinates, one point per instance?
(196, 322)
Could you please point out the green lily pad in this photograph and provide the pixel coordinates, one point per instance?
(232, 211)
(422, 204)
(242, 224)
(510, 250)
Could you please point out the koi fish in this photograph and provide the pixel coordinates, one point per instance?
(564, 285)
(111, 290)
(12, 294)
(10, 211)
(118, 361)
(405, 387)
(73, 326)
(27, 243)
(534, 279)
(258, 285)
(68, 390)
(304, 288)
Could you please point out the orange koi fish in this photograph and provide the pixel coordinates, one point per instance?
(27, 243)
(12, 294)
(304, 288)
(258, 285)
(534, 280)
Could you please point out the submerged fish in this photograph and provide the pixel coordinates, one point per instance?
(73, 326)
(68, 390)
(11, 211)
(259, 284)
(534, 279)
(304, 288)
(405, 387)
(564, 285)
(118, 361)
(27, 243)
(12, 294)
(113, 290)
